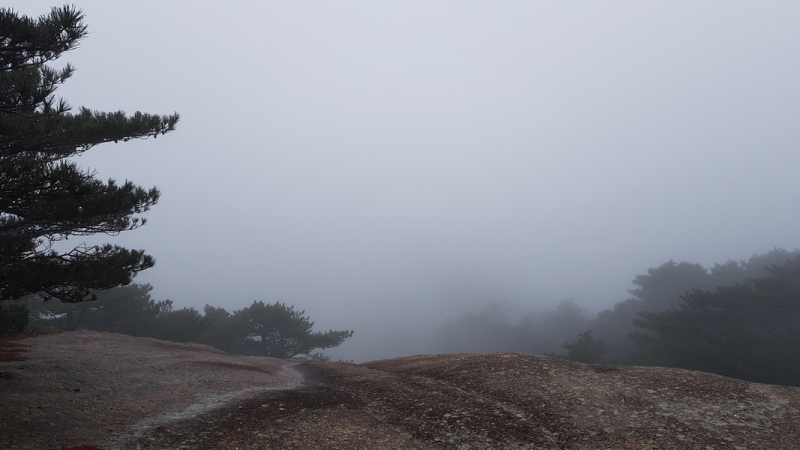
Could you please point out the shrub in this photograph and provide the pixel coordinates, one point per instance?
(13, 318)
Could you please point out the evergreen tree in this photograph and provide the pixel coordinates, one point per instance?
(585, 349)
(179, 325)
(124, 309)
(662, 289)
(13, 318)
(487, 331)
(221, 330)
(559, 324)
(45, 198)
(746, 331)
(279, 331)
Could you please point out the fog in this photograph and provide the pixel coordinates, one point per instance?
(388, 165)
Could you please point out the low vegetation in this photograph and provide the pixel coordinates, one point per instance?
(260, 329)
(737, 319)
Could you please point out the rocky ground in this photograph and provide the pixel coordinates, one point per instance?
(119, 392)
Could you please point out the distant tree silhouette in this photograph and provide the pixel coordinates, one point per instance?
(493, 330)
(261, 329)
(585, 349)
(179, 325)
(486, 331)
(280, 331)
(220, 332)
(124, 309)
(746, 331)
(662, 288)
(561, 323)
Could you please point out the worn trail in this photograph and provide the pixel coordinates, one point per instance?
(85, 388)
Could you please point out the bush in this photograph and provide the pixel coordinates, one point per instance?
(13, 318)
(585, 349)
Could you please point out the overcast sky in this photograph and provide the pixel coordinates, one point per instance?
(381, 163)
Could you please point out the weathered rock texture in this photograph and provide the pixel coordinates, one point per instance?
(141, 393)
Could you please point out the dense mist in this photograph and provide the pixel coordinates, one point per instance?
(407, 170)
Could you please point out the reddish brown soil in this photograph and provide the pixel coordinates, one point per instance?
(11, 349)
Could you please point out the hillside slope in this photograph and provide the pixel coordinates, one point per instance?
(209, 400)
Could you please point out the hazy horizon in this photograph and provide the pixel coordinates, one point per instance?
(385, 166)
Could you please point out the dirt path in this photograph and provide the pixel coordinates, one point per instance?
(144, 430)
(85, 388)
(499, 401)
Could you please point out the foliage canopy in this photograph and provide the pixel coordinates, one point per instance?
(746, 331)
(46, 198)
(261, 329)
(280, 331)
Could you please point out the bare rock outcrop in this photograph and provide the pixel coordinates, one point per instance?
(151, 395)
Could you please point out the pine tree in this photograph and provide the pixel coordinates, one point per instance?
(279, 331)
(746, 331)
(46, 198)
(585, 349)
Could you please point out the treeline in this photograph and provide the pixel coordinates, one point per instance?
(498, 329)
(738, 319)
(46, 198)
(260, 329)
